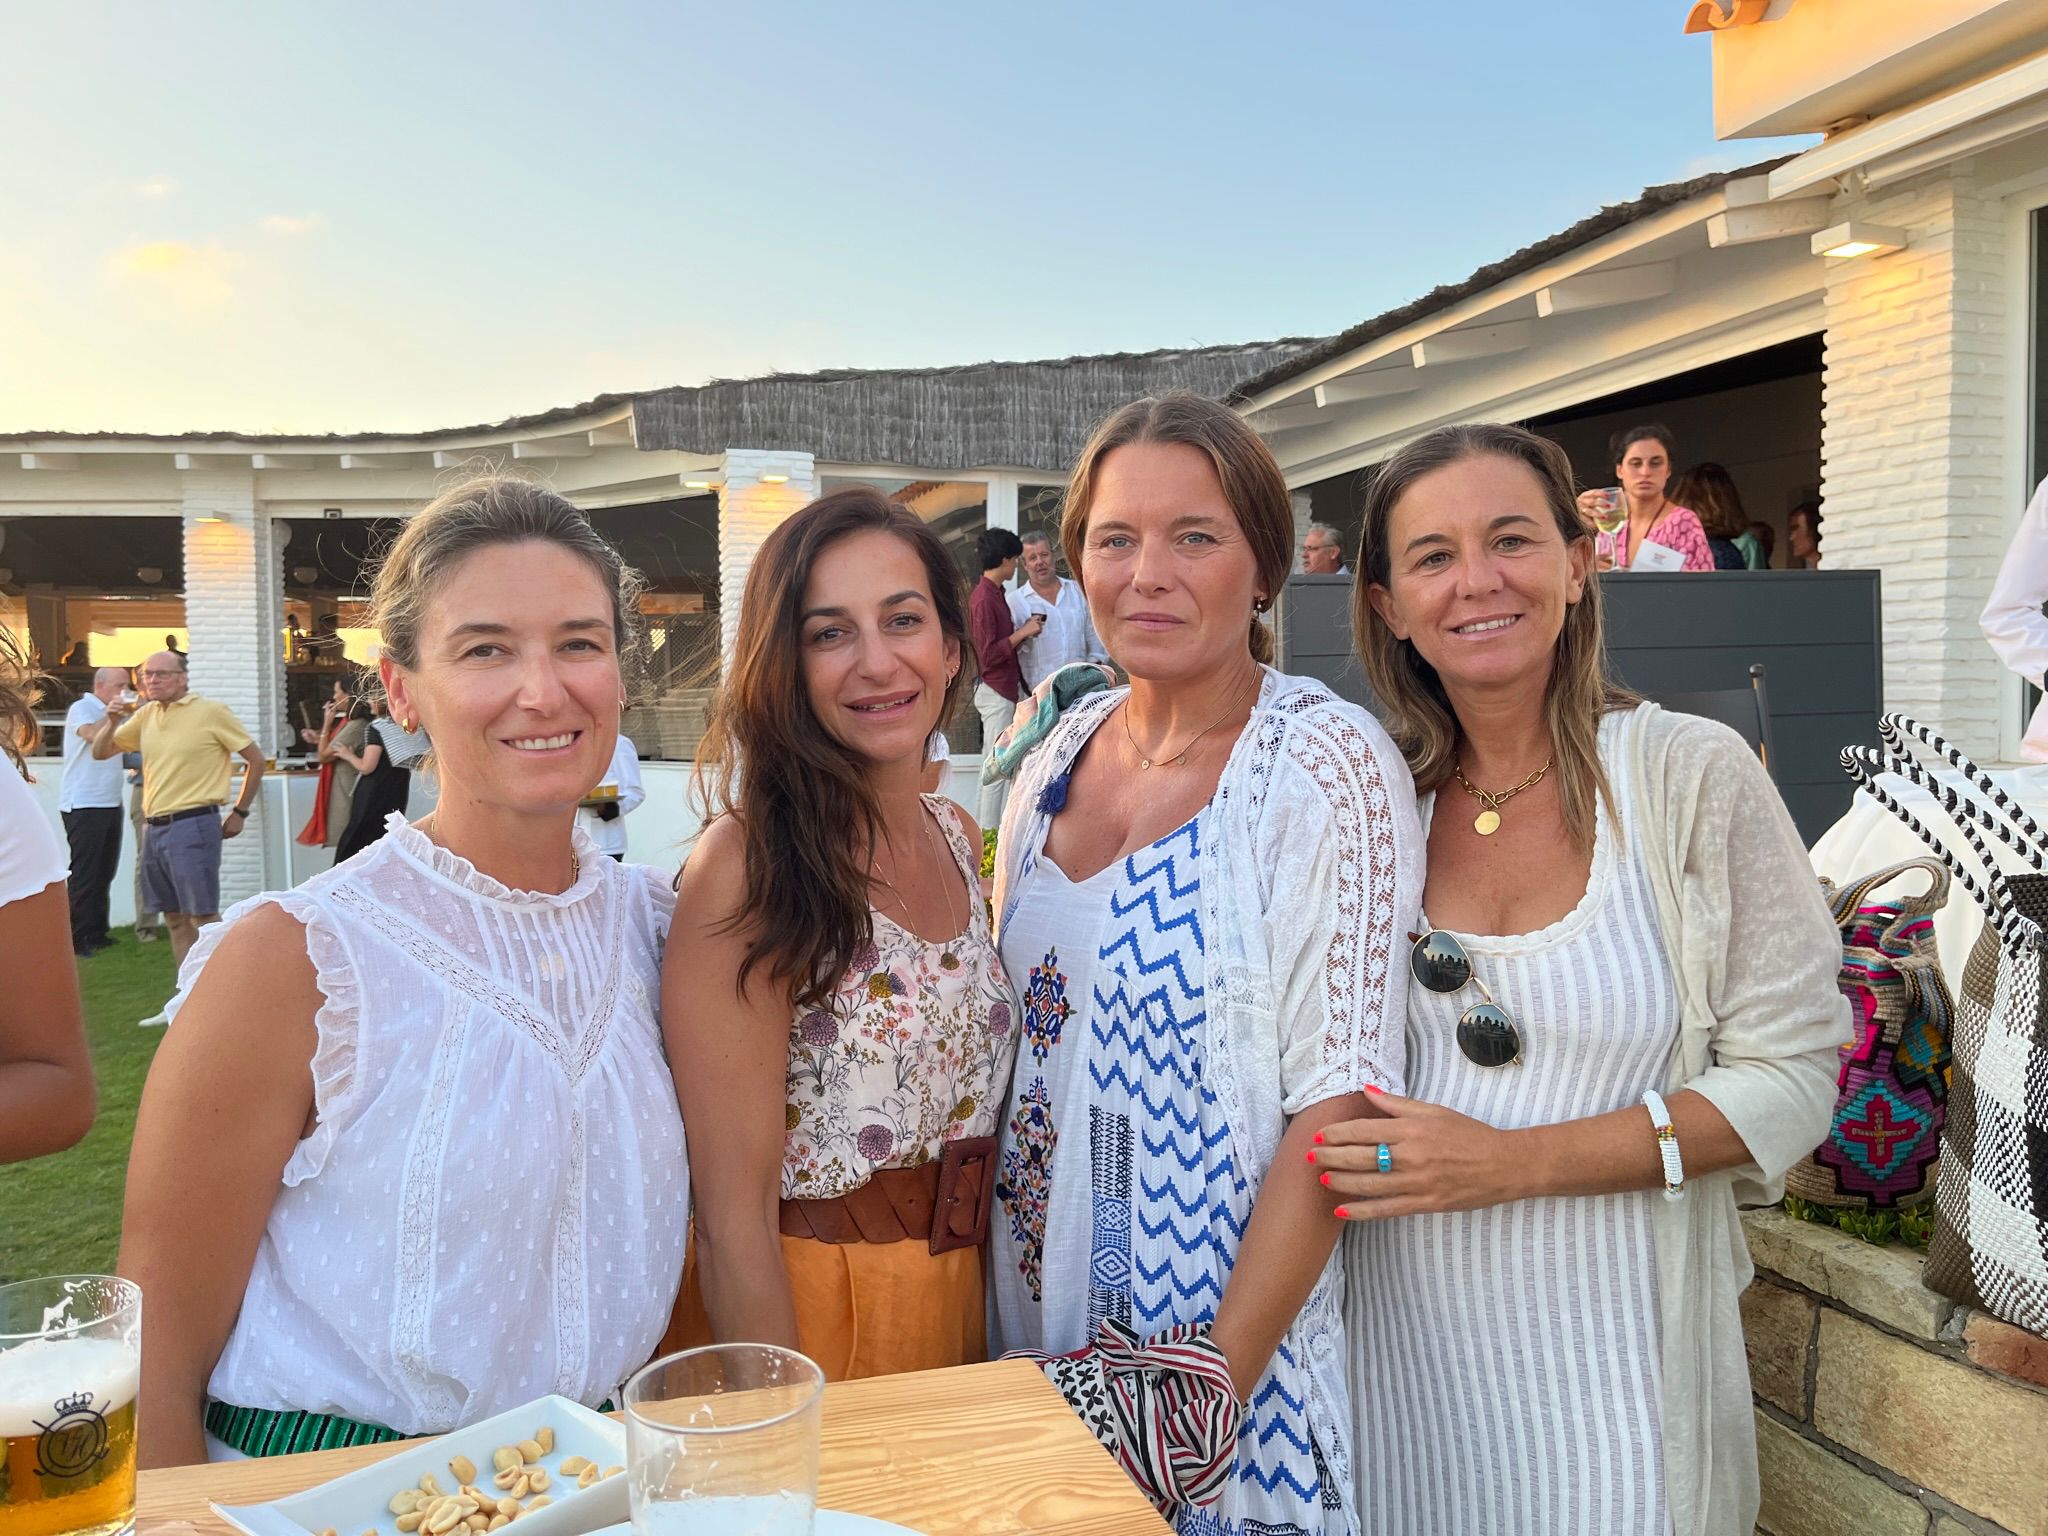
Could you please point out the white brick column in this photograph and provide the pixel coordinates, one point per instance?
(1914, 481)
(750, 505)
(234, 613)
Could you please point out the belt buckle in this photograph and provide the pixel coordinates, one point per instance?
(965, 1178)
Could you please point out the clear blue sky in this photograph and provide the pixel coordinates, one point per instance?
(336, 217)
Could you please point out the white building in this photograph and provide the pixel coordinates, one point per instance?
(1861, 322)
(230, 541)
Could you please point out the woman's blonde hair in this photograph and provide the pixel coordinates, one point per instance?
(1252, 483)
(478, 514)
(19, 733)
(1418, 712)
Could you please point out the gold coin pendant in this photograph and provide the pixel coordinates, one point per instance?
(1486, 823)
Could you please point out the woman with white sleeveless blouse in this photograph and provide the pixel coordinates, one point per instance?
(1624, 1019)
(410, 1153)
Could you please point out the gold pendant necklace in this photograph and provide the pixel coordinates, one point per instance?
(1179, 759)
(1487, 822)
(947, 959)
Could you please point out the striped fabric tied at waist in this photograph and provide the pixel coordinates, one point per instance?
(287, 1431)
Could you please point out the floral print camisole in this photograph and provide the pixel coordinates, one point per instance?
(914, 1050)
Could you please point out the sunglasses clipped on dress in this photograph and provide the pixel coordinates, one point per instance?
(1486, 1033)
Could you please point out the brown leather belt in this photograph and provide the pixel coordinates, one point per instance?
(945, 1201)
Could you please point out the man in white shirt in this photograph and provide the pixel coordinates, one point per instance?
(2013, 621)
(1322, 552)
(89, 799)
(606, 820)
(1069, 634)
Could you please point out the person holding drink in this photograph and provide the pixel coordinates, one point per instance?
(841, 1026)
(1639, 527)
(445, 1174)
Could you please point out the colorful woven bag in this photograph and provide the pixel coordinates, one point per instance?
(1989, 1247)
(1885, 1139)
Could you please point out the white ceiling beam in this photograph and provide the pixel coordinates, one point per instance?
(380, 461)
(210, 460)
(613, 434)
(1599, 290)
(1374, 385)
(1285, 418)
(49, 461)
(553, 448)
(457, 458)
(1768, 221)
(287, 460)
(1468, 346)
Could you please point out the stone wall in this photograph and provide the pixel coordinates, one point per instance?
(1883, 1409)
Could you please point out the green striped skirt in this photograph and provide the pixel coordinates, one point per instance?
(271, 1432)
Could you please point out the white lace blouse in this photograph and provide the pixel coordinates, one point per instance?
(492, 1206)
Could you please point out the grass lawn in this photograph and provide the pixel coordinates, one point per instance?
(62, 1214)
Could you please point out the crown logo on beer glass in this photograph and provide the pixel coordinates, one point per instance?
(74, 1442)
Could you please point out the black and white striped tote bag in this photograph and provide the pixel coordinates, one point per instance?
(1990, 1241)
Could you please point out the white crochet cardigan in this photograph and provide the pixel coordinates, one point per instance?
(1312, 880)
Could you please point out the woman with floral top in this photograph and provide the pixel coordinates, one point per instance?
(838, 1019)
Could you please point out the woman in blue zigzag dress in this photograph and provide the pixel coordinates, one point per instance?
(1202, 888)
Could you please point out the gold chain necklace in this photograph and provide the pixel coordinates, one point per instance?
(946, 958)
(1179, 759)
(1487, 822)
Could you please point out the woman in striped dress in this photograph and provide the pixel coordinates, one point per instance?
(1624, 1017)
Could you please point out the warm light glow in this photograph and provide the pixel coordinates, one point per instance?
(700, 485)
(207, 517)
(1845, 241)
(775, 479)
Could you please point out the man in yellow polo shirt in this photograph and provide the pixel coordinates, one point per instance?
(186, 743)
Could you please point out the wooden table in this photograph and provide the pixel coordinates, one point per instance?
(980, 1450)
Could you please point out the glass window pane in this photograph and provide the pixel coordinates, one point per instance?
(673, 544)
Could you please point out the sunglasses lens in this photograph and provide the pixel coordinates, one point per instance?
(1439, 962)
(1488, 1037)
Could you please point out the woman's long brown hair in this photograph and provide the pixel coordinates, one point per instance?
(1418, 712)
(802, 801)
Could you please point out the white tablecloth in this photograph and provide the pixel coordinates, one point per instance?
(1868, 837)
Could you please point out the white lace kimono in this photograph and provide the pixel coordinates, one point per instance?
(1309, 871)
(493, 1204)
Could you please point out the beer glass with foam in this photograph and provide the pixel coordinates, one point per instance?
(70, 1364)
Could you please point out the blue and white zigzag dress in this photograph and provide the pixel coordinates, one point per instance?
(1118, 1191)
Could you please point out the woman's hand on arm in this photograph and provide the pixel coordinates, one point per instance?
(211, 1144)
(47, 1096)
(1445, 1161)
(365, 761)
(1286, 1244)
(729, 1053)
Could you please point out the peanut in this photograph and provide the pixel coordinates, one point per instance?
(442, 1521)
(544, 1437)
(330, 1531)
(571, 1465)
(463, 1468)
(522, 1486)
(613, 1471)
(586, 1477)
(538, 1480)
(429, 1487)
(504, 1458)
(498, 1522)
(479, 1521)
(411, 1521)
(540, 1503)
(405, 1501)
(504, 1479)
(507, 1507)
(531, 1450)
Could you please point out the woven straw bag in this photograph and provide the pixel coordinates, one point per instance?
(1990, 1243)
(1885, 1139)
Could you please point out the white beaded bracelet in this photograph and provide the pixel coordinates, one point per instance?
(1667, 1144)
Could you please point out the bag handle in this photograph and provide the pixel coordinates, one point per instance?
(1864, 765)
(1845, 900)
(2031, 843)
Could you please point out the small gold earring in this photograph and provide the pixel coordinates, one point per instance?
(411, 725)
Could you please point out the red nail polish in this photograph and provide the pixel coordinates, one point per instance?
(1342, 1213)
(1325, 1178)
(1319, 1138)
(1370, 1089)
(1311, 1157)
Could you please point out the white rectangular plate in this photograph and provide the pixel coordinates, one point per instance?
(360, 1502)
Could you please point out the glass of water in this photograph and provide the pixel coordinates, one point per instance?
(723, 1441)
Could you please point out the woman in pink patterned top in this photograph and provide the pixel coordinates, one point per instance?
(1642, 465)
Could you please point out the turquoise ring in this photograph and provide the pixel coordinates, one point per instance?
(1386, 1158)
